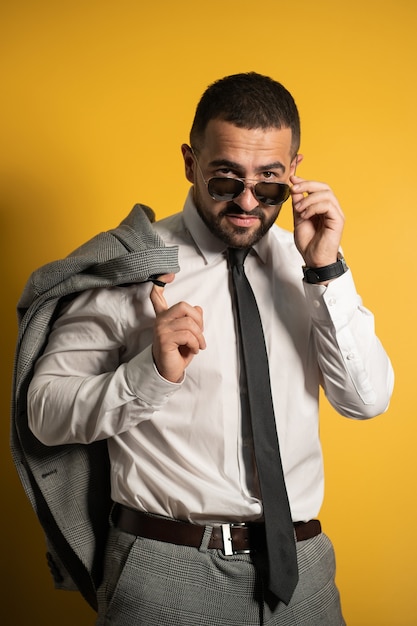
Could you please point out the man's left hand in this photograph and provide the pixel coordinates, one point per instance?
(318, 222)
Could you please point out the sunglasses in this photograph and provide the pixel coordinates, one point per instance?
(225, 189)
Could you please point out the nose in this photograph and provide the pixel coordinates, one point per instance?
(246, 200)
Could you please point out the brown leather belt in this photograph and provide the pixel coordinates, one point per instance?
(231, 538)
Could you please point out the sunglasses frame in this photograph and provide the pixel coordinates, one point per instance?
(246, 184)
(249, 183)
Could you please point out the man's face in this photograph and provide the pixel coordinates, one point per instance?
(256, 154)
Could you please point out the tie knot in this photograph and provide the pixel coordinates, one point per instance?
(237, 256)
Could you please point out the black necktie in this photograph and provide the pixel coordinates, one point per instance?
(282, 557)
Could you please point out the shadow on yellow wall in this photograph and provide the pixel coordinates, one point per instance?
(97, 98)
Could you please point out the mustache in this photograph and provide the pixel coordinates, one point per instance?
(235, 209)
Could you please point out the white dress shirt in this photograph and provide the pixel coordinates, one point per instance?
(184, 450)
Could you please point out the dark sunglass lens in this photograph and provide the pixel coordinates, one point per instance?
(272, 194)
(225, 189)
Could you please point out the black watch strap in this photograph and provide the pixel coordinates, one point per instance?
(316, 275)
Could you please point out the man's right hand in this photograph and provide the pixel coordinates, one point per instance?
(178, 333)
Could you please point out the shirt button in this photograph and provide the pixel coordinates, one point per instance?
(350, 356)
(332, 301)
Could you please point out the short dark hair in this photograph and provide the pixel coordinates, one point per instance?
(248, 100)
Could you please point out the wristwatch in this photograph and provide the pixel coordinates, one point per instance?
(316, 275)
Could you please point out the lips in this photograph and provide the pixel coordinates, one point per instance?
(243, 221)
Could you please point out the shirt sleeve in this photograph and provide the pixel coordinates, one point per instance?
(87, 384)
(357, 375)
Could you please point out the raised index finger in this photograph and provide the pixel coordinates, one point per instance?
(157, 293)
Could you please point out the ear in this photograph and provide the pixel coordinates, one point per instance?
(295, 163)
(188, 157)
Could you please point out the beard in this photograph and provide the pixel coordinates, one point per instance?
(235, 236)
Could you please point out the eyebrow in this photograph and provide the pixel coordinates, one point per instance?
(276, 165)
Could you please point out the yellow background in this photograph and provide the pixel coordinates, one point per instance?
(97, 97)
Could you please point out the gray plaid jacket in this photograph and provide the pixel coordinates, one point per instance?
(68, 485)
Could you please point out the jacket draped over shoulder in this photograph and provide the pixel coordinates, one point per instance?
(68, 486)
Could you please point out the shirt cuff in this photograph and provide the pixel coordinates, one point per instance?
(334, 303)
(146, 383)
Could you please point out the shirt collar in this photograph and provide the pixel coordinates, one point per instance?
(209, 245)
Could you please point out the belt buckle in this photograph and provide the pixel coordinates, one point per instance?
(228, 549)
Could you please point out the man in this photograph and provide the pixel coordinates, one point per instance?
(157, 372)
